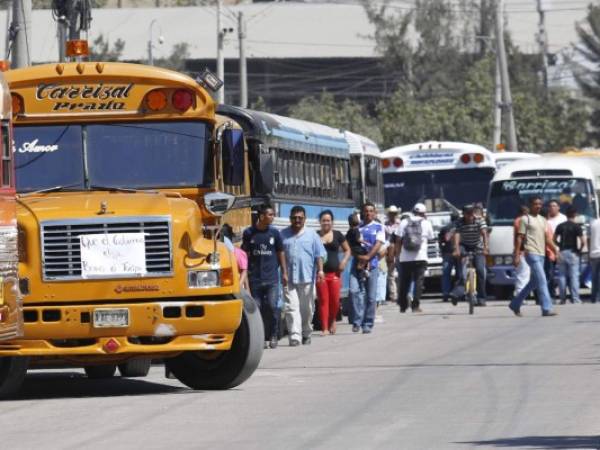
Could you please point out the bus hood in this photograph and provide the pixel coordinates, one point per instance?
(74, 205)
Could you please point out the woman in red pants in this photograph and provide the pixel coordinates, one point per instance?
(328, 290)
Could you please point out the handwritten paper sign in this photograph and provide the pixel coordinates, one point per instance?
(117, 254)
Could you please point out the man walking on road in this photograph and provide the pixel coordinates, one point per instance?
(264, 247)
(304, 254)
(534, 236)
(471, 236)
(363, 290)
(569, 238)
(411, 245)
(391, 225)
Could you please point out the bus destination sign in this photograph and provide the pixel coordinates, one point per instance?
(87, 97)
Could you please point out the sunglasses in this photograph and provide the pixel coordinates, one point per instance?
(297, 218)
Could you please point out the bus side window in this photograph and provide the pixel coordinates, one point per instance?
(233, 157)
(6, 156)
(372, 172)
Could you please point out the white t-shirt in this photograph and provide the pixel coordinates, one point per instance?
(427, 232)
(556, 221)
(595, 239)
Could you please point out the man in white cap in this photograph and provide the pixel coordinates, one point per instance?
(391, 225)
(411, 246)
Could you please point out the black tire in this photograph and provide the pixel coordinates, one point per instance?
(100, 372)
(12, 374)
(229, 368)
(472, 301)
(135, 368)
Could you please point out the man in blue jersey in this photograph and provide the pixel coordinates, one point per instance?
(363, 291)
(264, 247)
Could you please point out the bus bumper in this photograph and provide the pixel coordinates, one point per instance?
(154, 328)
(501, 275)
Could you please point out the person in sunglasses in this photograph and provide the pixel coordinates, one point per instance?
(304, 255)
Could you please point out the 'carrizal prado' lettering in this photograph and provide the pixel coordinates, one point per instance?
(73, 92)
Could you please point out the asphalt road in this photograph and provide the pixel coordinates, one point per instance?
(439, 380)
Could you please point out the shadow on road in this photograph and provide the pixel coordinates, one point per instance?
(48, 385)
(542, 442)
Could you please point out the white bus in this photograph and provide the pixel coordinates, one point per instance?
(365, 169)
(570, 181)
(444, 176)
(504, 158)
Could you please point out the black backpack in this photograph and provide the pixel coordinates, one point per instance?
(413, 235)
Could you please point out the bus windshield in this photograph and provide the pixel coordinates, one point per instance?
(121, 155)
(458, 187)
(507, 196)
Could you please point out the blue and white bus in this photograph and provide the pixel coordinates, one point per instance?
(442, 175)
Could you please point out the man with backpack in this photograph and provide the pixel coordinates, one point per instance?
(411, 246)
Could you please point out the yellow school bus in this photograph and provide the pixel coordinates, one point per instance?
(122, 172)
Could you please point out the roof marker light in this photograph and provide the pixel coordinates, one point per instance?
(398, 162)
(478, 158)
(385, 163)
(465, 158)
(182, 99)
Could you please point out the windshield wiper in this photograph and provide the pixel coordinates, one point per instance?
(119, 189)
(50, 189)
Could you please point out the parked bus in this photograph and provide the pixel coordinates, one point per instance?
(570, 181)
(443, 175)
(504, 158)
(120, 169)
(11, 309)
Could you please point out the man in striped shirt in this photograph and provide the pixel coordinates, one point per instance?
(471, 236)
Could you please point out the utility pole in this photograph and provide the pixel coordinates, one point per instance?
(243, 66)
(506, 94)
(21, 54)
(497, 138)
(220, 57)
(543, 42)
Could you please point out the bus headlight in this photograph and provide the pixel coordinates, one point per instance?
(508, 260)
(498, 260)
(203, 279)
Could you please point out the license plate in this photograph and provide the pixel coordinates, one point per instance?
(111, 318)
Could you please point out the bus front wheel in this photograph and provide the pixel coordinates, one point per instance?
(12, 374)
(227, 369)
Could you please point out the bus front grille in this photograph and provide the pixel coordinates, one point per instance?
(62, 253)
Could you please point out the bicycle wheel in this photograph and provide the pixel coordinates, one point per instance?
(472, 290)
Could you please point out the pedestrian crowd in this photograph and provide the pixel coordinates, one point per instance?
(287, 271)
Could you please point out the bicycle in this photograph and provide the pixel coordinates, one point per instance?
(470, 282)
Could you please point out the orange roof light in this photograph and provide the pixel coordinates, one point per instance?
(385, 163)
(478, 158)
(500, 147)
(4, 65)
(17, 104)
(77, 47)
(156, 100)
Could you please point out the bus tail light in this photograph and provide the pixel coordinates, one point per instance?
(465, 158)
(385, 163)
(182, 99)
(156, 100)
(478, 158)
(4, 65)
(17, 104)
(398, 162)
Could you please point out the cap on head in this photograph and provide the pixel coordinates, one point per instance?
(393, 209)
(419, 208)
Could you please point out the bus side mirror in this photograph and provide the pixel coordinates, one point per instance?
(218, 203)
(232, 152)
(372, 172)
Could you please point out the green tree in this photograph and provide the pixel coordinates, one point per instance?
(344, 115)
(101, 49)
(177, 59)
(588, 75)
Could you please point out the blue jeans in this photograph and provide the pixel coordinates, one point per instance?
(448, 263)
(537, 281)
(568, 266)
(595, 263)
(266, 296)
(363, 298)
